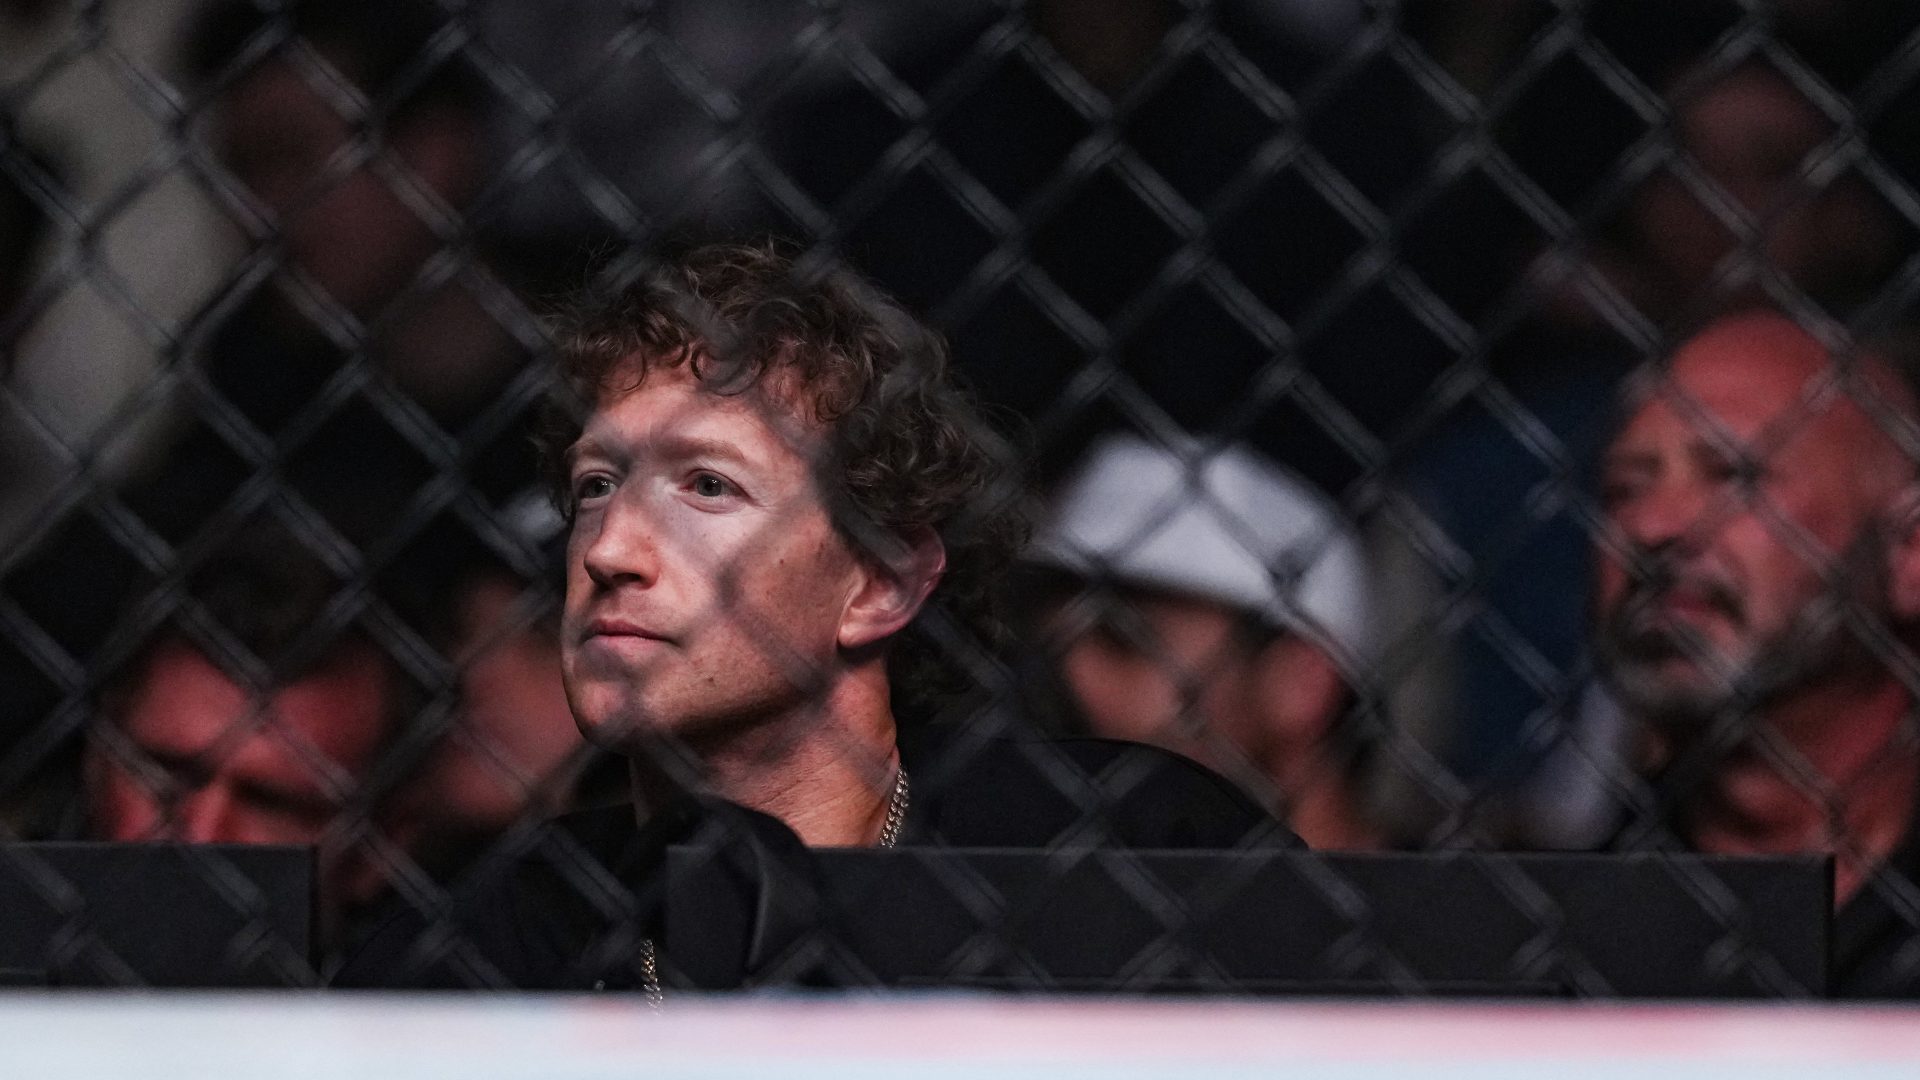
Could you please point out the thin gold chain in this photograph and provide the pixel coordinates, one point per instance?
(650, 974)
(896, 811)
(889, 837)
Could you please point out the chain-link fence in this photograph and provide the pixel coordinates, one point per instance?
(1474, 427)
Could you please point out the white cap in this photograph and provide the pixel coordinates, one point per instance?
(1221, 523)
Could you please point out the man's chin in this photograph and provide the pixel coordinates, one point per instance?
(617, 721)
(1687, 698)
(1670, 690)
(1671, 708)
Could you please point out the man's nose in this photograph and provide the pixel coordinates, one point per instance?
(624, 547)
(205, 816)
(1668, 515)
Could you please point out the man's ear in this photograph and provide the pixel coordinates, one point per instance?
(894, 584)
(1903, 555)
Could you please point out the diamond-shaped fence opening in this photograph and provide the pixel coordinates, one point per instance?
(1435, 431)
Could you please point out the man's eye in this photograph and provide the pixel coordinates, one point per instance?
(302, 810)
(168, 777)
(1616, 492)
(593, 486)
(708, 486)
(1742, 472)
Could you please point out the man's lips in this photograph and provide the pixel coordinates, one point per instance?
(1687, 603)
(612, 629)
(1686, 597)
(1675, 619)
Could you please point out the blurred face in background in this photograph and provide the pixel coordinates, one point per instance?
(1751, 516)
(192, 756)
(514, 736)
(1197, 677)
(344, 223)
(1757, 138)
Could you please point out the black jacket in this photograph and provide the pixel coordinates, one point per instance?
(566, 906)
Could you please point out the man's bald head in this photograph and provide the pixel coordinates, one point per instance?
(1858, 402)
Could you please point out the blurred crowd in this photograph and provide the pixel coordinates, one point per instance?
(1481, 425)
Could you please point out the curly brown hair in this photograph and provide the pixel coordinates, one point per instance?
(907, 447)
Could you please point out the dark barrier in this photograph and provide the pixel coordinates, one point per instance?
(1481, 427)
(1103, 921)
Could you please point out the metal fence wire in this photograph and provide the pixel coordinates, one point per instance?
(1475, 427)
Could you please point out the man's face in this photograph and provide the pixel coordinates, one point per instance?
(706, 584)
(197, 759)
(1753, 133)
(1164, 669)
(347, 227)
(515, 733)
(1749, 518)
(1180, 672)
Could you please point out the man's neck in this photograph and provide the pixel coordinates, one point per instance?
(1834, 779)
(826, 768)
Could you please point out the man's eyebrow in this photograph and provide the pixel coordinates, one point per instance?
(581, 447)
(1637, 457)
(670, 446)
(683, 446)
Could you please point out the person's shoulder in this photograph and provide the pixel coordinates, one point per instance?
(1015, 790)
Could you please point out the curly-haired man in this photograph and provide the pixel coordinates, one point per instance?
(785, 521)
(772, 478)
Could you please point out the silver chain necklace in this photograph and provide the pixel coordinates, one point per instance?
(889, 837)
